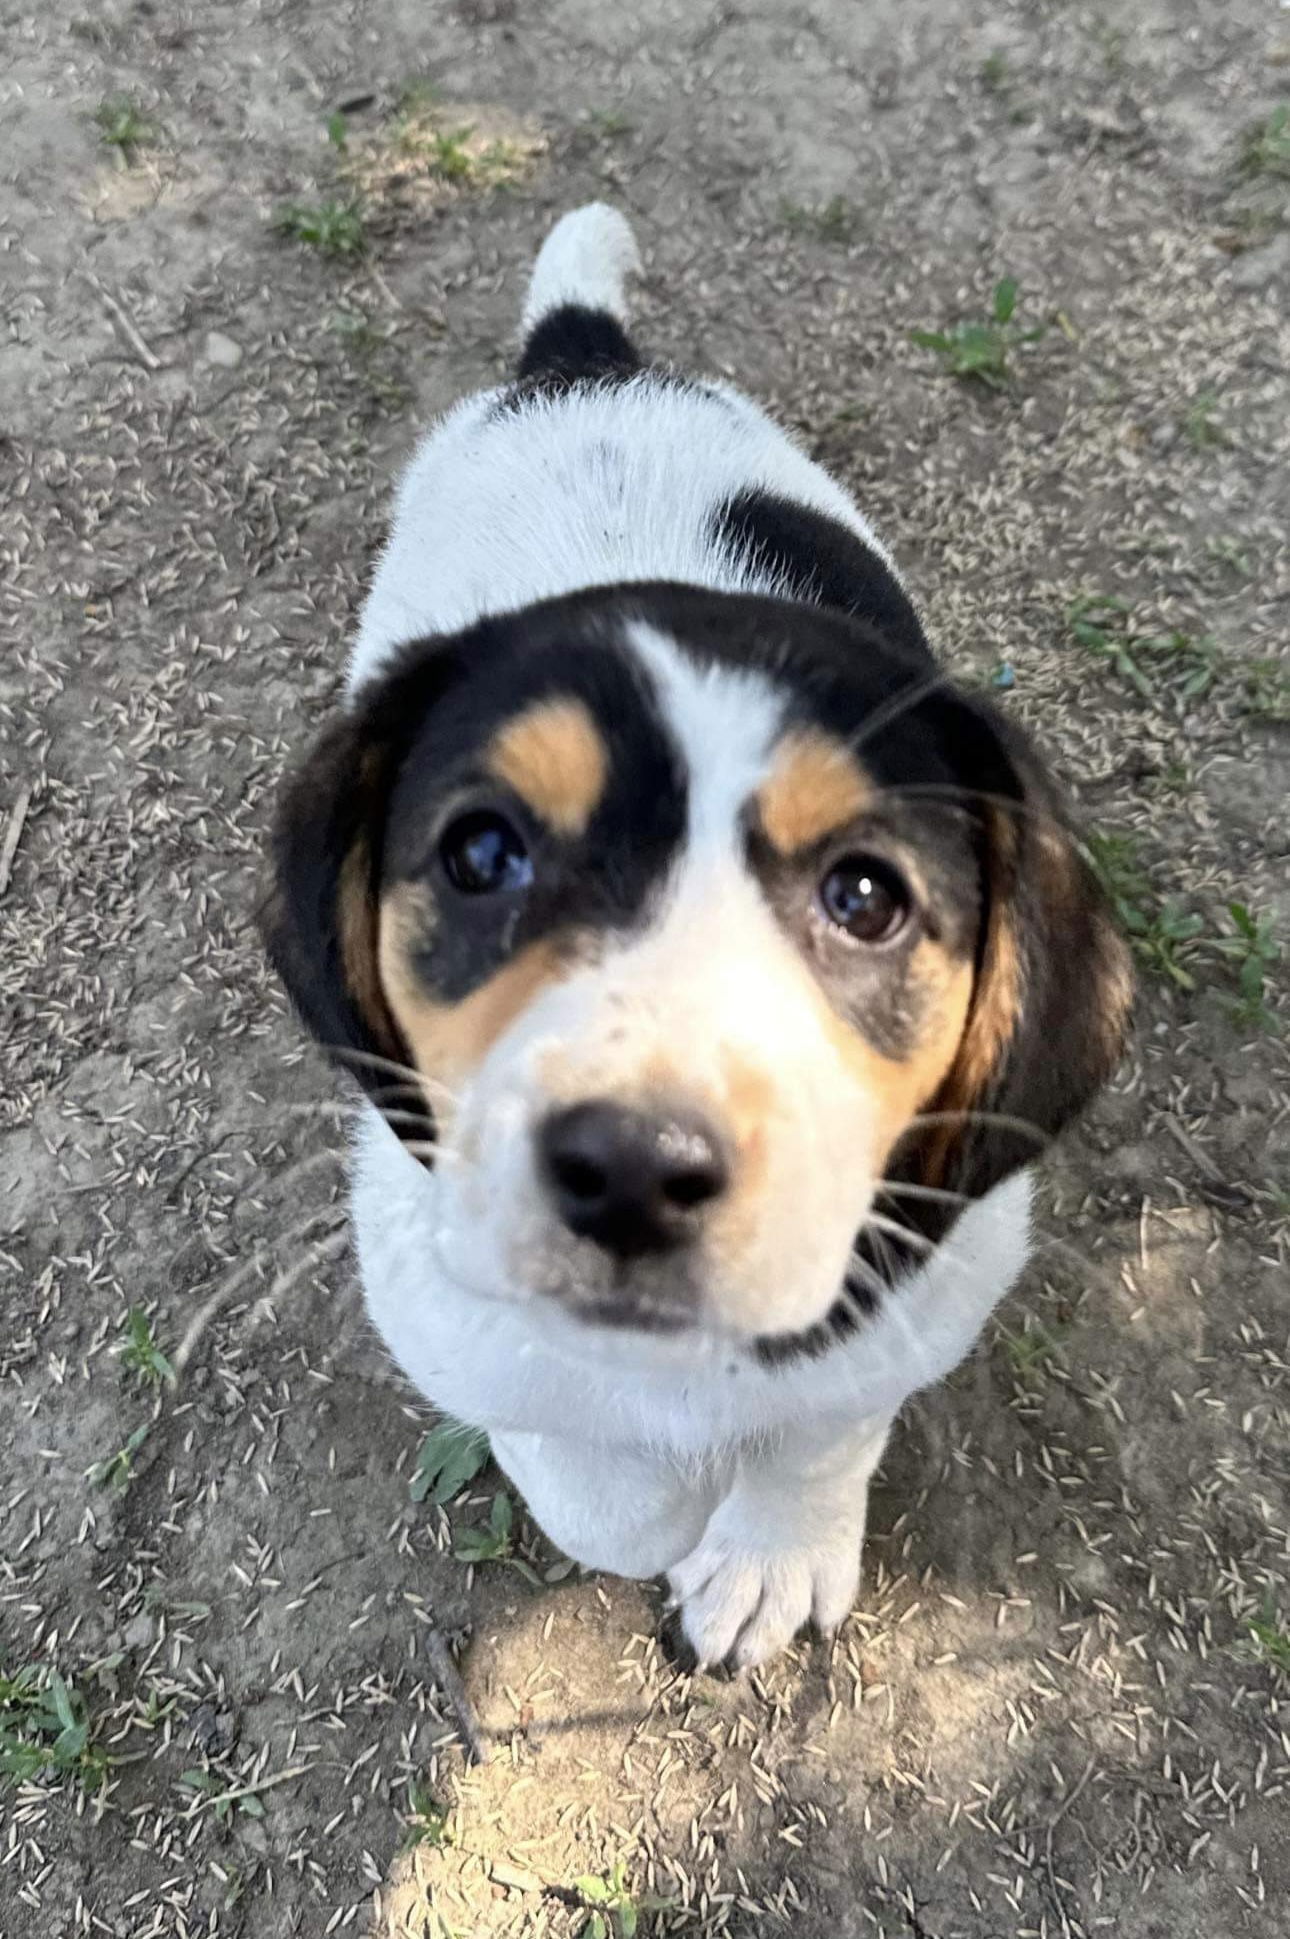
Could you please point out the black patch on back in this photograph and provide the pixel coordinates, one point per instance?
(813, 557)
(575, 345)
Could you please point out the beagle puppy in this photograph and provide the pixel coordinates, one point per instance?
(713, 967)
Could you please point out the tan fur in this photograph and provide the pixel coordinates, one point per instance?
(815, 786)
(554, 757)
(356, 927)
(448, 1041)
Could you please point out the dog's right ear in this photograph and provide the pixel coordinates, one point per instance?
(320, 915)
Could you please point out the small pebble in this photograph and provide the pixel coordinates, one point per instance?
(222, 350)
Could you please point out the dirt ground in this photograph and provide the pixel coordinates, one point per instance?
(1063, 1705)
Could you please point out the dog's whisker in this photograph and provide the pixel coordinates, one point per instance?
(902, 702)
(242, 1275)
(994, 1120)
(937, 1194)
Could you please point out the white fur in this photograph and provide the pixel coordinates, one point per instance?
(586, 260)
(640, 1453)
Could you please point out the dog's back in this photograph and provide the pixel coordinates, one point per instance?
(595, 468)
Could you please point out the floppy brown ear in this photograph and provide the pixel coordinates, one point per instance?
(320, 915)
(1053, 991)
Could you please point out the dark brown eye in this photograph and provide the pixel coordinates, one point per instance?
(484, 854)
(865, 897)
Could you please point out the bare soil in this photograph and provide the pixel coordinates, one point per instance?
(1062, 1707)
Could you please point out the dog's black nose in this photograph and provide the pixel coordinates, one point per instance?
(634, 1181)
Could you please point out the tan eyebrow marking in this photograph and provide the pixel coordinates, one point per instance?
(554, 756)
(814, 786)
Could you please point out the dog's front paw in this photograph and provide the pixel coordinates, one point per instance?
(743, 1605)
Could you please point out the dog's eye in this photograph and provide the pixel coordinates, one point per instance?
(484, 854)
(865, 897)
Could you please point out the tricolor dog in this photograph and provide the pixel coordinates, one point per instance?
(714, 967)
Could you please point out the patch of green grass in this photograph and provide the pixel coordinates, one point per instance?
(994, 72)
(1200, 425)
(1187, 663)
(1254, 952)
(141, 1353)
(450, 1456)
(123, 127)
(338, 131)
(1033, 1349)
(1271, 1639)
(117, 1470)
(611, 123)
(981, 352)
(833, 221)
(1231, 553)
(419, 96)
(429, 1822)
(1266, 150)
(1162, 933)
(332, 228)
(613, 1909)
(1266, 685)
(45, 1729)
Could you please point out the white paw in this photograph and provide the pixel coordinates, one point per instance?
(742, 1606)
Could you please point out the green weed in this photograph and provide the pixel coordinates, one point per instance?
(980, 352)
(449, 1457)
(332, 228)
(226, 1801)
(1254, 952)
(429, 1823)
(994, 72)
(1200, 426)
(1267, 145)
(833, 221)
(1271, 1639)
(338, 131)
(141, 1353)
(45, 1729)
(1187, 663)
(613, 1909)
(1032, 1350)
(123, 127)
(117, 1470)
(1266, 684)
(611, 123)
(1162, 934)
(494, 1542)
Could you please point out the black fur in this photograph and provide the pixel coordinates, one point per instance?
(817, 558)
(575, 345)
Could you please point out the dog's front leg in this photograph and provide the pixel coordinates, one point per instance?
(783, 1546)
(625, 1510)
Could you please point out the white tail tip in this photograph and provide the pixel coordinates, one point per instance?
(586, 260)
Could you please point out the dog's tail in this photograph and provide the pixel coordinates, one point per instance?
(575, 314)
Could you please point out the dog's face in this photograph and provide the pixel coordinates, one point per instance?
(714, 930)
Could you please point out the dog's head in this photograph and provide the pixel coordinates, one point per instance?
(690, 936)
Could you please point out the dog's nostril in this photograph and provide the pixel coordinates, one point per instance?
(578, 1176)
(632, 1181)
(694, 1186)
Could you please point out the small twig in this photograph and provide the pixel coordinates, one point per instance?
(1201, 1159)
(125, 323)
(233, 1282)
(1053, 1823)
(13, 835)
(252, 1790)
(448, 1677)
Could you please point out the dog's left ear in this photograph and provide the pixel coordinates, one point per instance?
(1053, 991)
